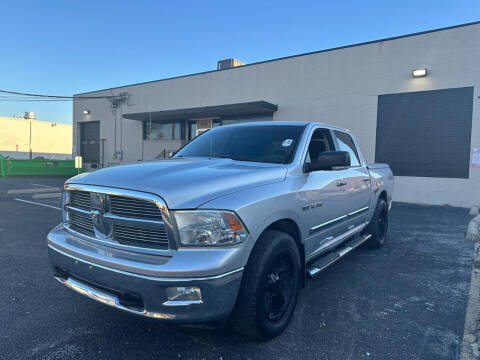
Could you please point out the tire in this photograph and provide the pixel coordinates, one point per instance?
(270, 286)
(378, 226)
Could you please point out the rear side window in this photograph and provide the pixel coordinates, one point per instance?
(345, 143)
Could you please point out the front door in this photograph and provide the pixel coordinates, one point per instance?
(323, 200)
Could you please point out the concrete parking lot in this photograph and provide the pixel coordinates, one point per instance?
(405, 301)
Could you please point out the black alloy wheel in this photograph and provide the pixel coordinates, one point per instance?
(279, 287)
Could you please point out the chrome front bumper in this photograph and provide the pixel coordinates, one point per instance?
(145, 295)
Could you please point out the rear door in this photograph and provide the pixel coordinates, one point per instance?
(355, 181)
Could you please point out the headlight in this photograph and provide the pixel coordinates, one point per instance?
(209, 228)
(65, 201)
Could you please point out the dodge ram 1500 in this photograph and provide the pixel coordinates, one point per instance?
(230, 227)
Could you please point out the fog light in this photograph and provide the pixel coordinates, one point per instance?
(183, 295)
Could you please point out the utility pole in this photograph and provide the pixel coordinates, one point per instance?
(30, 139)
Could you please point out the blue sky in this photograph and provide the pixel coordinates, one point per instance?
(68, 47)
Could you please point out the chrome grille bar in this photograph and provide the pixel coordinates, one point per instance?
(137, 220)
(125, 206)
(80, 199)
(82, 224)
(130, 235)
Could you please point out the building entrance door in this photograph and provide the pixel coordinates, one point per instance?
(90, 141)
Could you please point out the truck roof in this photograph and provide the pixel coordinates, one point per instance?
(301, 123)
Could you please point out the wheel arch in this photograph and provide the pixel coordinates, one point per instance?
(383, 195)
(290, 227)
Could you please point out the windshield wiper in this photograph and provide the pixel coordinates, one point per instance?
(235, 158)
(222, 157)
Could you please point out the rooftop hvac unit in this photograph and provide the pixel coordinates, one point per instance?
(228, 63)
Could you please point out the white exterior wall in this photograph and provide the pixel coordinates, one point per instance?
(340, 87)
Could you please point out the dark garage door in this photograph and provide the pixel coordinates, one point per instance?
(90, 141)
(426, 133)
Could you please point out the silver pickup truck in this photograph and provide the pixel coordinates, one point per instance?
(230, 227)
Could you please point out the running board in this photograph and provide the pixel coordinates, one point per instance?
(317, 266)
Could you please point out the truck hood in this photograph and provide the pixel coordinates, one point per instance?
(186, 183)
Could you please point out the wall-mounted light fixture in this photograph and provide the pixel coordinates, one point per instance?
(86, 112)
(419, 72)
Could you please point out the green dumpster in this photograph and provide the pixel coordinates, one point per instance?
(37, 167)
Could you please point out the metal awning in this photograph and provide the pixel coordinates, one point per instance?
(239, 109)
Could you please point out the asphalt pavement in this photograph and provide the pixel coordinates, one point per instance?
(405, 301)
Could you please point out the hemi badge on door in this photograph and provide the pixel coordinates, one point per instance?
(312, 206)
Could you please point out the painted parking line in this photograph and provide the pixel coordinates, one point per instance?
(33, 191)
(40, 204)
(47, 196)
(46, 186)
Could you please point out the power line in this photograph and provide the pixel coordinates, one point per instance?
(26, 98)
(54, 96)
(37, 100)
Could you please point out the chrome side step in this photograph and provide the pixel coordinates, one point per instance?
(329, 258)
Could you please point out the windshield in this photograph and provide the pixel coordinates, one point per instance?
(261, 143)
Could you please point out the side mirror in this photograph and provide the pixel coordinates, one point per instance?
(328, 160)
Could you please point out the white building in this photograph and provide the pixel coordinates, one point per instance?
(426, 127)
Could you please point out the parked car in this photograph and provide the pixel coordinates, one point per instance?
(230, 227)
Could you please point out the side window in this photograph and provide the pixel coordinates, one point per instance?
(345, 143)
(321, 141)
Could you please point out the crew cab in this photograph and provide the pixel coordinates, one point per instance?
(229, 228)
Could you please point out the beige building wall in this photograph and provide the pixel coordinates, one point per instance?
(339, 87)
(47, 138)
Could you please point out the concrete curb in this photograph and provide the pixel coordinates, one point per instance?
(473, 230)
(471, 332)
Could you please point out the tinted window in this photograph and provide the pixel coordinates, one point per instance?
(262, 143)
(321, 141)
(345, 143)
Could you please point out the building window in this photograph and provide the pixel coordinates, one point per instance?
(193, 130)
(162, 131)
(238, 120)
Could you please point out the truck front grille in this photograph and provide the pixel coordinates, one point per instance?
(80, 199)
(127, 206)
(142, 237)
(130, 220)
(82, 224)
